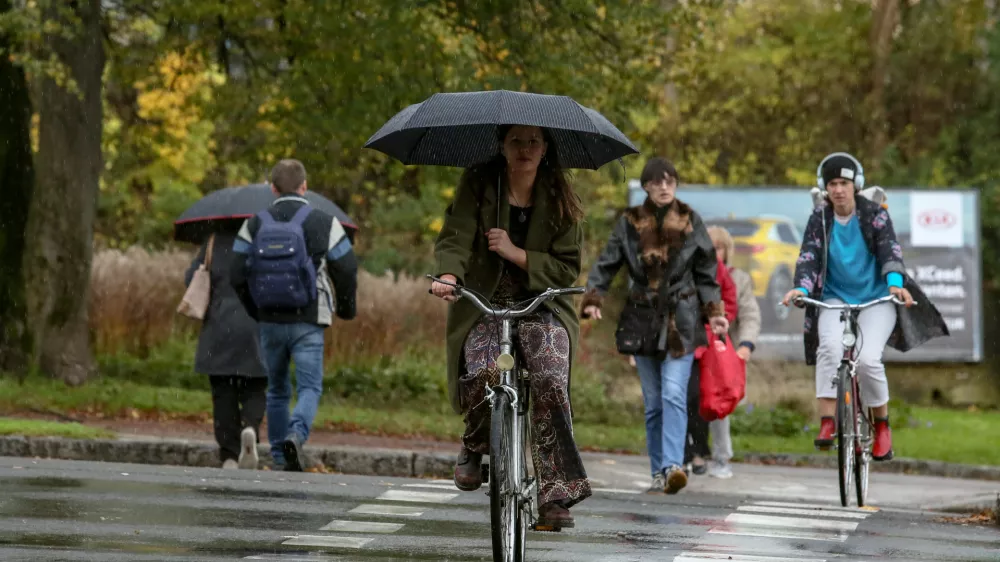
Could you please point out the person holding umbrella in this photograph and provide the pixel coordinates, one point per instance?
(537, 244)
(229, 353)
(511, 232)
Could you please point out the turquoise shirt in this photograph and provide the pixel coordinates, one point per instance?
(852, 271)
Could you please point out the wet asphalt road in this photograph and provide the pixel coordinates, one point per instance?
(65, 510)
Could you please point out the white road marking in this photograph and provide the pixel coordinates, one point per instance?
(790, 522)
(829, 507)
(361, 526)
(433, 486)
(780, 534)
(329, 541)
(616, 491)
(797, 511)
(698, 556)
(421, 497)
(293, 558)
(376, 509)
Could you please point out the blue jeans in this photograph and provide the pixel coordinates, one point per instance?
(302, 343)
(664, 392)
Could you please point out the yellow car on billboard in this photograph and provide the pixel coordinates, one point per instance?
(767, 247)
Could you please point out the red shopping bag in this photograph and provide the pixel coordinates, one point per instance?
(723, 377)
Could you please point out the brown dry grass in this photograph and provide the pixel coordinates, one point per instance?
(134, 295)
(393, 315)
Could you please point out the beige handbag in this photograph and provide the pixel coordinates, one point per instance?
(195, 301)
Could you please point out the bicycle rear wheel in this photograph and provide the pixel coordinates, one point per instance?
(846, 423)
(505, 514)
(863, 449)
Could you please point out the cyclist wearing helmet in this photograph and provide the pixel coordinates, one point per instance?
(850, 255)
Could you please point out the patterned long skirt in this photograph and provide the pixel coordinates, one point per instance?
(542, 345)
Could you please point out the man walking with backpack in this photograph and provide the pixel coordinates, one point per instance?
(284, 260)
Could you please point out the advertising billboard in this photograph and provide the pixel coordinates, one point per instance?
(937, 229)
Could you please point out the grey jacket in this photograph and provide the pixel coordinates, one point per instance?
(229, 343)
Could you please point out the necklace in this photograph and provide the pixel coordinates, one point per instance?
(521, 218)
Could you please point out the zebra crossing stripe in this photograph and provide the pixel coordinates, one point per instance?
(361, 526)
(419, 497)
(797, 511)
(328, 541)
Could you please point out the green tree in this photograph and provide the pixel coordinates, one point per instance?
(61, 221)
(16, 187)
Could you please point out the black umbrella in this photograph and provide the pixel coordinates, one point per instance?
(460, 129)
(226, 209)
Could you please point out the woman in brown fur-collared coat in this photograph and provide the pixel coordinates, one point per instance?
(670, 259)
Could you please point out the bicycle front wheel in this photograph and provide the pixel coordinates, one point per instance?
(863, 448)
(505, 513)
(846, 424)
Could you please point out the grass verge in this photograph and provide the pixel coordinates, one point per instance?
(959, 436)
(41, 428)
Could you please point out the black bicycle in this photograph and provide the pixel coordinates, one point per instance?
(511, 490)
(855, 425)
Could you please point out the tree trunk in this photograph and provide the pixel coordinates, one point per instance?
(61, 222)
(16, 186)
(884, 20)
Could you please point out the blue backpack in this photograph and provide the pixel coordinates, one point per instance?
(282, 273)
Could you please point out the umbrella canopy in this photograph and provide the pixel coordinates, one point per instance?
(460, 129)
(226, 209)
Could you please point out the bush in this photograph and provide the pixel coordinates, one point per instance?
(409, 380)
(777, 421)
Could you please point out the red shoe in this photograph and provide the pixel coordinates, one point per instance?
(882, 450)
(827, 429)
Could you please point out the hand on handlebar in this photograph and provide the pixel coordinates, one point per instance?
(444, 291)
(903, 295)
(791, 297)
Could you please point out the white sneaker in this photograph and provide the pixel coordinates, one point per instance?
(720, 469)
(230, 464)
(248, 449)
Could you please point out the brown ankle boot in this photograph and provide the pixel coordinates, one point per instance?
(553, 517)
(468, 471)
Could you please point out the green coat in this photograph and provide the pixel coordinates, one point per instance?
(462, 250)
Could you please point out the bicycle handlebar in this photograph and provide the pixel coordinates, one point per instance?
(510, 313)
(820, 304)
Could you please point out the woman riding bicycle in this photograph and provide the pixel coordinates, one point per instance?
(850, 255)
(672, 263)
(535, 246)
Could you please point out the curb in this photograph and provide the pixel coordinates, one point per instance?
(899, 465)
(390, 462)
(342, 459)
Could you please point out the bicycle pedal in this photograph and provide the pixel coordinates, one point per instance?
(546, 528)
(485, 471)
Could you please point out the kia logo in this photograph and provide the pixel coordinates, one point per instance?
(936, 219)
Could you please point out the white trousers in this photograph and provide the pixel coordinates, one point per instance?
(722, 443)
(875, 325)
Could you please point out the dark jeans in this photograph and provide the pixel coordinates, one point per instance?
(696, 443)
(237, 402)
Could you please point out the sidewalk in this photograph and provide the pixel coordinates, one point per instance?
(810, 478)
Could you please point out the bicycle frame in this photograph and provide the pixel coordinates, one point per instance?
(515, 388)
(857, 460)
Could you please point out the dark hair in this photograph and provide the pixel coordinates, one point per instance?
(657, 169)
(288, 175)
(549, 172)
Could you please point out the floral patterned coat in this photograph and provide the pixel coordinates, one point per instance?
(914, 325)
